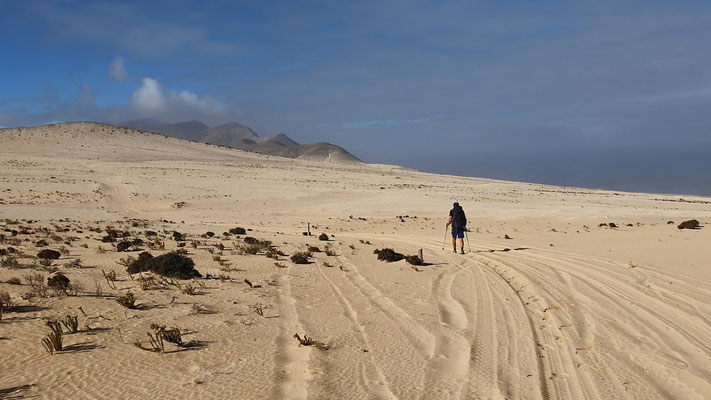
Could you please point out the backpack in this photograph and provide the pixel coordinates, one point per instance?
(458, 217)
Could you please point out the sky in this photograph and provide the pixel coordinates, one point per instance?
(612, 94)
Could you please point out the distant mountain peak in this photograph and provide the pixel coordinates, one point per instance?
(239, 136)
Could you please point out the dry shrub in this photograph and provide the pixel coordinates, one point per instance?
(238, 231)
(328, 249)
(37, 286)
(301, 257)
(14, 281)
(690, 224)
(9, 262)
(48, 254)
(71, 323)
(323, 236)
(128, 300)
(170, 264)
(414, 260)
(53, 342)
(5, 302)
(388, 255)
(59, 282)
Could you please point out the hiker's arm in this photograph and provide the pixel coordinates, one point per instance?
(450, 221)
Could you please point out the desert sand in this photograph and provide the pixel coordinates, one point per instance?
(547, 304)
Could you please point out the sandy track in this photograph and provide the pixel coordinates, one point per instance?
(563, 326)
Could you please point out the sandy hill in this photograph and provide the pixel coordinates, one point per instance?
(563, 293)
(242, 137)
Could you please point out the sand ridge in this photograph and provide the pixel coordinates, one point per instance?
(566, 308)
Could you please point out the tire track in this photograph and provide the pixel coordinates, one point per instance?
(292, 362)
(373, 377)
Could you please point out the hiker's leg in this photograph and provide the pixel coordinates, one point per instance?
(454, 243)
(461, 243)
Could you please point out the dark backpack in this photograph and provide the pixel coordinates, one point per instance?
(458, 217)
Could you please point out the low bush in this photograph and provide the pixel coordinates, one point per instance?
(314, 249)
(59, 283)
(128, 300)
(238, 231)
(48, 254)
(323, 236)
(123, 246)
(690, 224)
(172, 265)
(414, 260)
(5, 302)
(301, 257)
(388, 255)
(178, 237)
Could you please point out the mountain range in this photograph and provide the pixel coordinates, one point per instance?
(242, 137)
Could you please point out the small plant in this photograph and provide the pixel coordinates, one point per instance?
(301, 257)
(14, 281)
(9, 262)
(123, 245)
(190, 290)
(329, 251)
(110, 278)
(171, 264)
(323, 236)
(690, 224)
(314, 249)
(63, 250)
(128, 301)
(307, 341)
(59, 282)
(125, 261)
(5, 302)
(37, 285)
(48, 254)
(414, 260)
(71, 323)
(238, 231)
(388, 255)
(280, 265)
(53, 342)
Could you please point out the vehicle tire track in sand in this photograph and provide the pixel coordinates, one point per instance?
(654, 332)
(120, 197)
(373, 377)
(421, 338)
(292, 361)
(448, 370)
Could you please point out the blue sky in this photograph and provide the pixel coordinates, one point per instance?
(405, 82)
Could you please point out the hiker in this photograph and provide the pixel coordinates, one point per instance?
(458, 220)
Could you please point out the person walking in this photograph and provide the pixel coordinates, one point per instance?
(458, 220)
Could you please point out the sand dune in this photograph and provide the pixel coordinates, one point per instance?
(564, 309)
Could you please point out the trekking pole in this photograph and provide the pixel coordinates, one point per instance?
(444, 241)
(467, 235)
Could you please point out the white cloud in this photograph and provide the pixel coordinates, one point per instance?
(117, 69)
(151, 100)
(149, 97)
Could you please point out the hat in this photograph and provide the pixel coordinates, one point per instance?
(456, 203)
